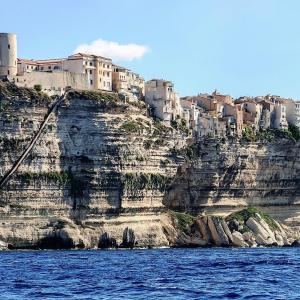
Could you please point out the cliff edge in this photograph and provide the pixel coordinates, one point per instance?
(105, 174)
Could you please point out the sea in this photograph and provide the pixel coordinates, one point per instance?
(206, 273)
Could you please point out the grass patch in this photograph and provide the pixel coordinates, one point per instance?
(184, 221)
(93, 95)
(145, 181)
(9, 90)
(160, 128)
(131, 126)
(243, 215)
(59, 177)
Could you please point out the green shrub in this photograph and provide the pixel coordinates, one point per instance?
(38, 87)
(295, 131)
(251, 211)
(9, 90)
(249, 134)
(184, 220)
(160, 128)
(59, 177)
(131, 126)
(144, 181)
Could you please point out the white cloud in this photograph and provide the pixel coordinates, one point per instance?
(113, 50)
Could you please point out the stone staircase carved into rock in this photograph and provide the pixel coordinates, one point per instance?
(16, 165)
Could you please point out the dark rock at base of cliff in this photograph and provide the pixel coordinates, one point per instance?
(106, 241)
(57, 240)
(128, 238)
(296, 243)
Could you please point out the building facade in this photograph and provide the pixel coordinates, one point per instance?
(98, 69)
(162, 99)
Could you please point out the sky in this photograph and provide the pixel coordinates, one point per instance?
(239, 47)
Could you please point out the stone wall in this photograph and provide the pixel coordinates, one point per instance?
(52, 83)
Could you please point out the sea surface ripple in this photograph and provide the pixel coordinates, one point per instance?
(210, 273)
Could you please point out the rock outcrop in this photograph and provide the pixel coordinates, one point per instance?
(254, 228)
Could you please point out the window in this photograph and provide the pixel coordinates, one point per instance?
(8, 46)
(7, 72)
(49, 67)
(91, 81)
(103, 83)
(85, 71)
(91, 63)
(107, 74)
(27, 67)
(42, 68)
(91, 72)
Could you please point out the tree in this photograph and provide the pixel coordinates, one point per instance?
(38, 87)
(295, 131)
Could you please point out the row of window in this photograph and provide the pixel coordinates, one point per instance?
(105, 84)
(101, 73)
(100, 64)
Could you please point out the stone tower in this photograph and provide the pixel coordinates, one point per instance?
(8, 54)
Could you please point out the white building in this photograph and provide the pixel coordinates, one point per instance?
(164, 102)
(293, 112)
(97, 68)
(280, 121)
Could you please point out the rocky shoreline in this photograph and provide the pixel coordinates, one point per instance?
(247, 228)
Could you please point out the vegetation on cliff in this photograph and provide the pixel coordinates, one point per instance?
(93, 95)
(295, 131)
(183, 221)
(10, 91)
(145, 181)
(249, 212)
(269, 135)
(62, 177)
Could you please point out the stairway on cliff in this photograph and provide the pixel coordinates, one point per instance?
(16, 165)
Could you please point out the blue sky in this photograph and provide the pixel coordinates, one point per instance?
(240, 47)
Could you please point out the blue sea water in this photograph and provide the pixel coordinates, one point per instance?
(215, 273)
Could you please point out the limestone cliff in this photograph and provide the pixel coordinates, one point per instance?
(100, 166)
(103, 174)
(223, 176)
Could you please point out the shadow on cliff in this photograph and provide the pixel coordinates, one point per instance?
(88, 157)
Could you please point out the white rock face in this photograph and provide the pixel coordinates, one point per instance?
(238, 240)
(99, 169)
(87, 175)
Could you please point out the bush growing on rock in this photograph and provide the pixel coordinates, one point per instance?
(249, 212)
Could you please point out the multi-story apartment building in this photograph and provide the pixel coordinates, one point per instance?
(280, 121)
(97, 68)
(252, 111)
(293, 112)
(162, 99)
(124, 80)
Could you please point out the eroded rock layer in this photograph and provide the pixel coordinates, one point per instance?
(226, 175)
(103, 174)
(99, 167)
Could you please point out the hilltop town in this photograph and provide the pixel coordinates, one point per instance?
(214, 115)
